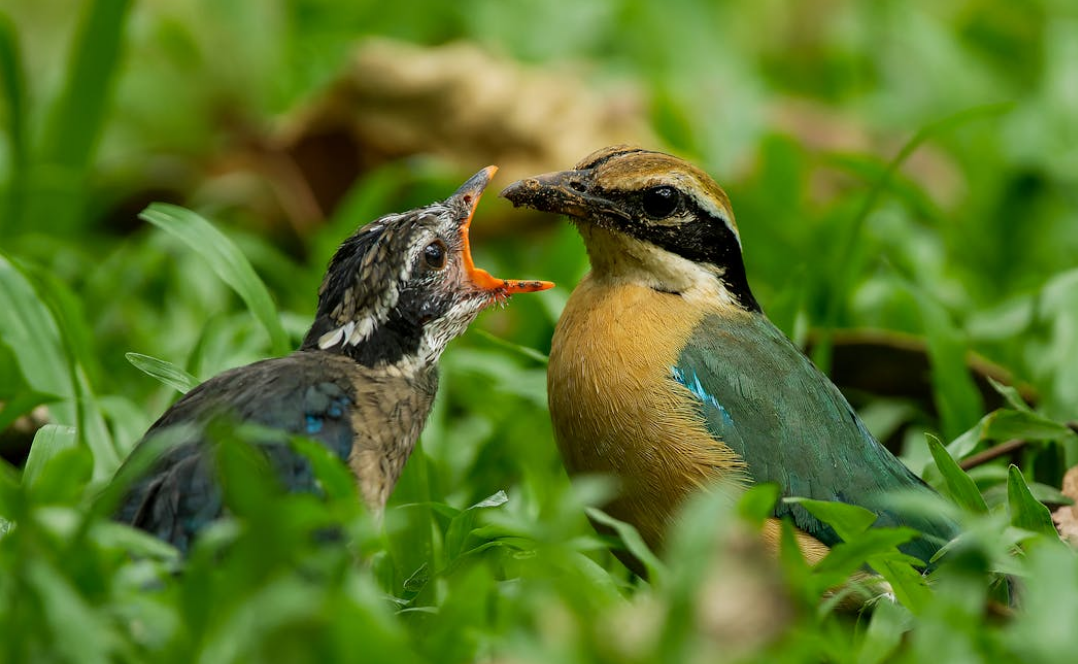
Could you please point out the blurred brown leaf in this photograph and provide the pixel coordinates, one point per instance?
(1066, 517)
(457, 103)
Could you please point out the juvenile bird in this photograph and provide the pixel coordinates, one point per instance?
(665, 373)
(362, 382)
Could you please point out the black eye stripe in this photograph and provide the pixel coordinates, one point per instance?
(703, 237)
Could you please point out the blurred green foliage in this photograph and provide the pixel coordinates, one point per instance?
(910, 166)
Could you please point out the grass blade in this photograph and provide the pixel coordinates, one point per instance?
(529, 353)
(961, 487)
(847, 261)
(58, 175)
(79, 112)
(29, 329)
(956, 395)
(164, 371)
(849, 521)
(1026, 511)
(49, 441)
(20, 405)
(14, 94)
(633, 542)
(226, 260)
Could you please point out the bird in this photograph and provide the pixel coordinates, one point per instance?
(666, 374)
(361, 383)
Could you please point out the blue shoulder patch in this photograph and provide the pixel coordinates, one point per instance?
(700, 393)
(314, 424)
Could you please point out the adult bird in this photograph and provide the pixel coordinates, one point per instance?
(665, 373)
(361, 384)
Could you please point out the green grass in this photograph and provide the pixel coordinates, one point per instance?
(925, 186)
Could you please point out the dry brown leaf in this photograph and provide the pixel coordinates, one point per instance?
(457, 103)
(1066, 517)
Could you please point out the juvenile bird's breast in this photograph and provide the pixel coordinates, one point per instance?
(389, 414)
(616, 408)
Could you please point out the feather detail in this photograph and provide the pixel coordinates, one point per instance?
(331, 338)
(617, 409)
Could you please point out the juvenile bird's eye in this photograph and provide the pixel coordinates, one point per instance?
(434, 254)
(660, 202)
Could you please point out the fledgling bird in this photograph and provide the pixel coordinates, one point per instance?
(665, 373)
(362, 382)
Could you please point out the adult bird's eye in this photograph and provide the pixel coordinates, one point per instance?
(660, 202)
(435, 255)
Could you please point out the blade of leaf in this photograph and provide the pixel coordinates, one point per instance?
(79, 112)
(884, 634)
(58, 177)
(960, 485)
(758, 502)
(22, 404)
(633, 541)
(49, 441)
(956, 395)
(78, 631)
(1026, 511)
(907, 583)
(1005, 424)
(14, 94)
(529, 353)
(848, 520)
(164, 371)
(848, 261)
(29, 329)
(226, 260)
(1011, 394)
(846, 557)
(463, 524)
(75, 340)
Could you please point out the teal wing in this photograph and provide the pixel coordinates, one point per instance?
(764, 399)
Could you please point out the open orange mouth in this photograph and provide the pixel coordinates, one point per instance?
(471, 191)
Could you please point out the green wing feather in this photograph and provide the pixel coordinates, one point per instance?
(764, 399)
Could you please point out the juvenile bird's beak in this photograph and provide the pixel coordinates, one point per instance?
(564, 192)
(470, 193)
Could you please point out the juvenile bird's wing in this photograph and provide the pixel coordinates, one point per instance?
(302, 394)
(764, 399)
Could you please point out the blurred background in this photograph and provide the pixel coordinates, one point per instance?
(904, 175)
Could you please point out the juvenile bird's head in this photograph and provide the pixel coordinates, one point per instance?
(404, 285)
(650, 218)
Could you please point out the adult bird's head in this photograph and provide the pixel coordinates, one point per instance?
(650, 218)
(404, 285)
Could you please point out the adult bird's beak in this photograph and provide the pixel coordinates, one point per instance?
(470, 193)
(564, 192)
